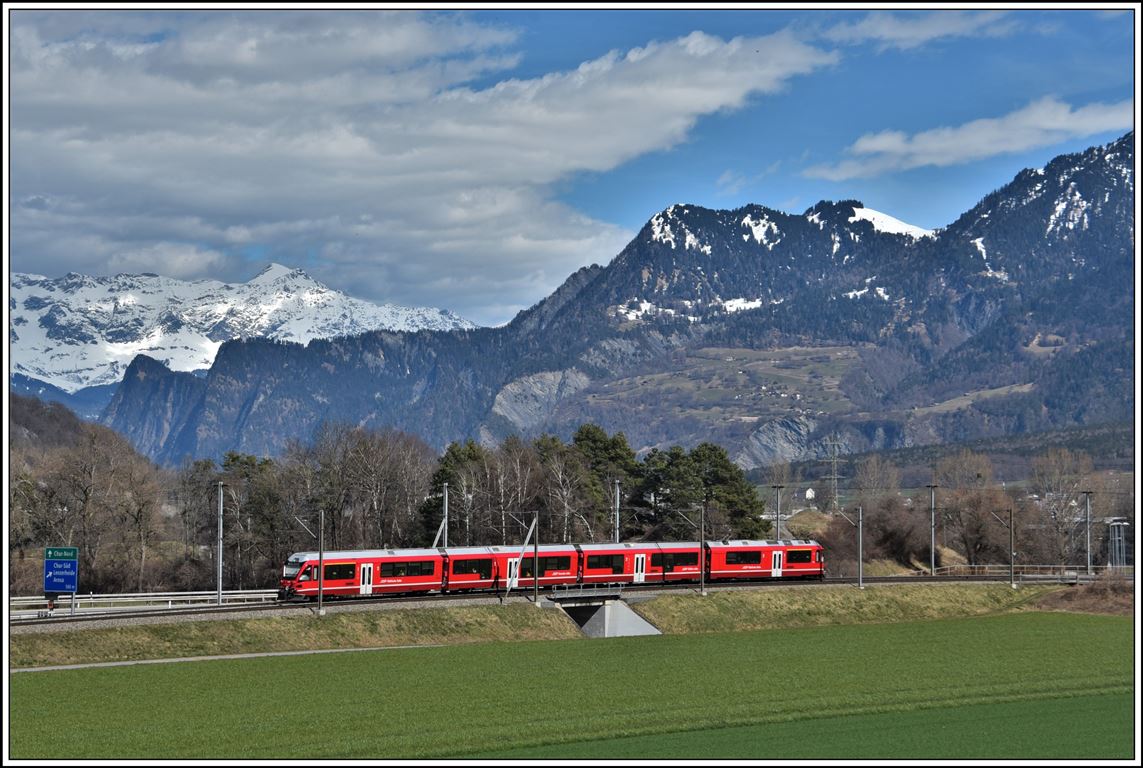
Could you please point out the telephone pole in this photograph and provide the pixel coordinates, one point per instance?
(616, 511)
(219, 564)
(932, 528)
(777, 511)
(1087, 494)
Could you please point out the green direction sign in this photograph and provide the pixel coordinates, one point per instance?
(61, 553)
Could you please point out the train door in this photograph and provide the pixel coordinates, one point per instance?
(367, 578)
(776, 564)
(640, 568)
(513, 571)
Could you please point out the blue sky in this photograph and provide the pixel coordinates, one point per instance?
(473, 160)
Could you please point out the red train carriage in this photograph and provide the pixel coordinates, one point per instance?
(613, 563)
(639, 562)
(746, 559)
(471, 568)
(675, 561)
(559, 564)
(362, 572)
(804, 559)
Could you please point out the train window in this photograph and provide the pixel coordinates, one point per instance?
(414, 568)
(744, 558)
(799, 556)
(482, 568)
(339, 571)
(557, 563)
(613, 562)
(671, 560)
(554, 563)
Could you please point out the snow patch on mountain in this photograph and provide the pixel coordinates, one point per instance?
(883, 222)
(79, 331)
(765, 232)
(1070, 211)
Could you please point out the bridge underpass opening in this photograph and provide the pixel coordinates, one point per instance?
(607, 618)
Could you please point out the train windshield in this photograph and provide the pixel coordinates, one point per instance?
(290, 570)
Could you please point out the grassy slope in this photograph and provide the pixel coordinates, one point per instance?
(473, 699)
(719, 611)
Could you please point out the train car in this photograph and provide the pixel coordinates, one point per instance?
(611, 563)
(362, 572)
(473, 568)
(803, 559)
(676, 561)
(639, 562)
(746, 559)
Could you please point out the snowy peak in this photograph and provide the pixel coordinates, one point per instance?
(670, 228)
(79, 331)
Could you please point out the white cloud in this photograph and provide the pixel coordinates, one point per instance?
(178, 260)
(731, 182)
(904, 31)
(357, 146)
(1041, 123)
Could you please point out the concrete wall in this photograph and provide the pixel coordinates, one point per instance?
(611, 619)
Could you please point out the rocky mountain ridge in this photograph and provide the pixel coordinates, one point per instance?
(771, 333)
(81, 331)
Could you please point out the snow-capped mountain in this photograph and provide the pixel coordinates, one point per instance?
(79, 331)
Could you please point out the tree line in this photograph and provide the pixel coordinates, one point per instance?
(971, 511)
(140, 527)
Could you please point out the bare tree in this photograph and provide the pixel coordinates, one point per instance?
(565, 478)
(1058, 481)
(971, 503)
(876, 479)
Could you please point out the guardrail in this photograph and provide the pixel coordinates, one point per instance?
(1069, 572)
(158, 600)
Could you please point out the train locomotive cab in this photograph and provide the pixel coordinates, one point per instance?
(746, 559)
(358, 573)
(804, 559)
(295, 573)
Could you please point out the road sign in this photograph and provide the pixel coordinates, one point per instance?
(61, 575)
(61, 569)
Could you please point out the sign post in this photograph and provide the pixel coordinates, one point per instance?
(61, 572)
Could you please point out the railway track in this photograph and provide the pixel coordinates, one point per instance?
(518, 595)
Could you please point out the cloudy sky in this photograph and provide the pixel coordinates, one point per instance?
(473, 160)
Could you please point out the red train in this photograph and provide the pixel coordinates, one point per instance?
(461, 569)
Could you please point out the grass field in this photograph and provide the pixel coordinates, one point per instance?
(1043, 729)
(811, 691)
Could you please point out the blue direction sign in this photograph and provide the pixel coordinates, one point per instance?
(60, 575)
(61, 569)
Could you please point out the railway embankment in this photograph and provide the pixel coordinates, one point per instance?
(729, 611)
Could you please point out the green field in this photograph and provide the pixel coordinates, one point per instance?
(1044, 729)
(766, 694)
